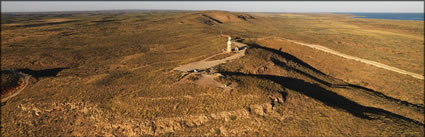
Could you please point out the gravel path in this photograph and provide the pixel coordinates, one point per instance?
(376, 64)
(208, 79)
(204, 64)
(19, 90)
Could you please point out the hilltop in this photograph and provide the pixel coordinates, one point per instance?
(119, 74)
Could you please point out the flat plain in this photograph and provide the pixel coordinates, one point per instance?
(112, 73)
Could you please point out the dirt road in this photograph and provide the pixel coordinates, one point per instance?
(376, 64)
(19, 90)
(206, 79)
(204, 64)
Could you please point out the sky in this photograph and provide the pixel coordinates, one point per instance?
(240, 6)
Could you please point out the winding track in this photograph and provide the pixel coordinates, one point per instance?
(19, 90)
(208, 79)
(374, 63)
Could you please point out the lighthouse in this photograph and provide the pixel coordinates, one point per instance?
(229, 45)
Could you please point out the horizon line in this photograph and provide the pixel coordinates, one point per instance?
(208, 10)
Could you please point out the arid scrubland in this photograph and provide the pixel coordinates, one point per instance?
(111, 74)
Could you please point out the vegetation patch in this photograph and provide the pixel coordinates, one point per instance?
(10, 81)
(111, 73)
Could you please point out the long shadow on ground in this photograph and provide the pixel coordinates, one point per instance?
(44, 24)
(287, 56)
(42, 73)
(292, 58)
(327, 97)
(418, 107)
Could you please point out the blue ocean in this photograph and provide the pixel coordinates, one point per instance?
(391, 16)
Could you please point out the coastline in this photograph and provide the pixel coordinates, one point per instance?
(388, 16)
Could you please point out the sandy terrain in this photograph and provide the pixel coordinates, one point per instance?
(165, 74)
(204, 64)
(376, 64)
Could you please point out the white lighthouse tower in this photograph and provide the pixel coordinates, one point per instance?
(229, 45)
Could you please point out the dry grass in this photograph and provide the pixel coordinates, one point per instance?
(302, 98)
(404, 87)
(395, 43)
(111, 74)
